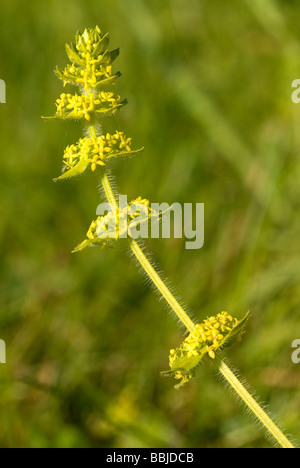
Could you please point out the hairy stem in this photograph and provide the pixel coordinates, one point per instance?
(108, 191)
(224, 369)
(256, 409)
(165, 292)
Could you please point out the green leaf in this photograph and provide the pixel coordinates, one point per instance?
(102, 45)
(73, 55)
(74, 171)
(104, 244)
(182, 383)
(113, 54)
(58, 72)
(109, 56)
(110, 110)
(62, 117)
(186, 376)
(235, 333)
(124, 154)
(186, 364)
(108, 81)
(68, 79)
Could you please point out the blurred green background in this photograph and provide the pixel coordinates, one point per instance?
(209, 91)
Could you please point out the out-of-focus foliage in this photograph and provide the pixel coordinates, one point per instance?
(209, 91)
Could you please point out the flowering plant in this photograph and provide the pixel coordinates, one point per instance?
(91, 70)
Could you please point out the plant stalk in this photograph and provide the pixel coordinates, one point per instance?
(165, 292)
(224, 369)
(252, 404)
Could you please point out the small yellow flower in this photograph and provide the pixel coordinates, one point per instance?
(206, 339)
(118, 223)
(95, 151)
(92, 76)
(74, 106)
(115, 224)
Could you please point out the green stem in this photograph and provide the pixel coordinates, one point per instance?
(256, 409)
(108, 190)
(92, 128)
(224, 370)
(148, 268)
(165, 292)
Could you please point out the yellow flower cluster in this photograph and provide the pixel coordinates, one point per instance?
(97, 150)
(91, 60)
(89, 77)
(92, 43)
(116, 224)
(206, 338)
(70, 106)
